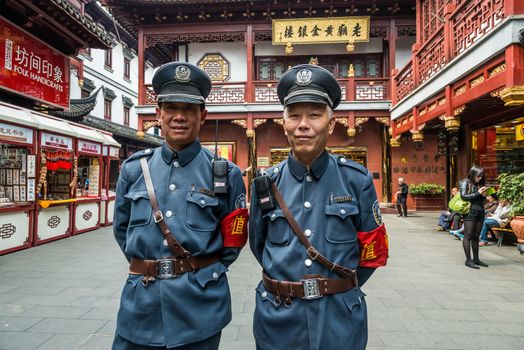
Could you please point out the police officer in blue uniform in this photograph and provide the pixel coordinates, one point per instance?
(177, 231)
(310, 296)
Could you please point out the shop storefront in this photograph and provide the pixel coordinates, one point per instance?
(17, 178)
(499, 149)
(88, 174)
(110, 171)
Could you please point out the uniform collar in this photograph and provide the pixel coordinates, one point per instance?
(317, 169)
(184, 156)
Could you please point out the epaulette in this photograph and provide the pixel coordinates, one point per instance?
(343, 161)
(275, 170)
(143, 153)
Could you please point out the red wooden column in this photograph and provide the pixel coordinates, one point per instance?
(514, 65)
(141, 74)
(448, 31)
(513, 7)
(392, 44)
(414, 61)
(393, 84)
(249, 97)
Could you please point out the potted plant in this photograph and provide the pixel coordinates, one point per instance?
(512, 189)
(427, 196)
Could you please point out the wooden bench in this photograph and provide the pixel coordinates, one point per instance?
(500, 232)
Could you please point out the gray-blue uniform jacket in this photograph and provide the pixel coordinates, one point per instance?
(196, 305)
(331, 202)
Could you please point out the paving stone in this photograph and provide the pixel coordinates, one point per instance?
(21, 340)
(55, 311)
(17, 323)
(64, 342)
(67, 326)
(97, 342)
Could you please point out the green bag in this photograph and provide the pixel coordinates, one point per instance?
(458, 205)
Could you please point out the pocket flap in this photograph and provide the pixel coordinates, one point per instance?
(210, 273)
(201, 199)
(274, 214)
(342, 210)
(135, 195)
(354, 298)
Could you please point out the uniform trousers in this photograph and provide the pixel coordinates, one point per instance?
(402, 206)
(210, 343)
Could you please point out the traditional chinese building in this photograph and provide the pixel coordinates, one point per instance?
(245, 53)
(464, 88)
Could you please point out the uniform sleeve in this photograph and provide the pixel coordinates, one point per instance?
(372, 236)
(122, 211)
(257, 238)
(236, 220)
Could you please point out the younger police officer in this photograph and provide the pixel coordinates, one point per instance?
(178, 234)
(310, 295)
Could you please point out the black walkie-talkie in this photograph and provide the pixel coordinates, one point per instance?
(263, 190)
(219, 169)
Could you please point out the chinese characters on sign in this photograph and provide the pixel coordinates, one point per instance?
(32, 68)
(52, 140)
(416, 167)
(320, 30)
(15, 133)
(89, 147)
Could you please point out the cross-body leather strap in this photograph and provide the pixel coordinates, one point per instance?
(311, 251)
(174, 246)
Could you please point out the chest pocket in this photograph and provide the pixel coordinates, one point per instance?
(339, 222)
(141, 210)
(201, 211)
(277, 227)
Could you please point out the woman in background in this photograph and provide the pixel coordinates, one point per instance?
(472, 189)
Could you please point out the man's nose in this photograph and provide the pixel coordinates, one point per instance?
(304, 122)
(178, 115)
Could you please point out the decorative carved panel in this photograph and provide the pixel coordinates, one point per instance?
(367, 91)
(153, 40)
(87, 215)
(231, 94)
(343, 121)
(258, 122)
(241, 122)
(473, 20)
(404, 82)
(266, 94)
(7, 230)
(216, 67)
(53, 221)
(431, 57)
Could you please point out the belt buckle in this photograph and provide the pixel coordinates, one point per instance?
(166, 268)
(311, 289)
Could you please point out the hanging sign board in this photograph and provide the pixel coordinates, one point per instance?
(58, 141)
(320, 30)
(89, 147)
(16, 133)
(519, 132)
(32, 68)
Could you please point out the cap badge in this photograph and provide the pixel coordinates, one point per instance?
(304, 77)
(183, 74)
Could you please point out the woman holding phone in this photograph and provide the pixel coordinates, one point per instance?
(472, 189)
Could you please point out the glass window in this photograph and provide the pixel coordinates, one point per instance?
(108, 58)
(107, 109)
(126, 116)
(127, 68)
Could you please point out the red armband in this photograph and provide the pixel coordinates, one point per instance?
(234, 229)
(374, 247)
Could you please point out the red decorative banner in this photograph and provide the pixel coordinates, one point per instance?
(32, 68)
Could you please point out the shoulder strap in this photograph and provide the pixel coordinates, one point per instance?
(311, 251)
(173, 244)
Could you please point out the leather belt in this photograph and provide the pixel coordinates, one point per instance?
(170, 267)
(312, 287)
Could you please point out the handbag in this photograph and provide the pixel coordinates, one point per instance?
(458, 205)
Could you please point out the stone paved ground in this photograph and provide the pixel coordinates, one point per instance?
(64, 295)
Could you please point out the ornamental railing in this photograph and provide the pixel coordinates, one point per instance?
(353, 89)
(463, 24)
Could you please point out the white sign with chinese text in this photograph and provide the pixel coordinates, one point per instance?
(89, 147)
(30, 189)
(16, 133)
(59, 141)
(31, 165)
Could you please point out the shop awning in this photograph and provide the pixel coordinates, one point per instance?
(18, 115)
(53, 125)
(87, 134)
(109, 140)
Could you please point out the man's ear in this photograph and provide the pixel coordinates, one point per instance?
(203, 116)
(332, 123)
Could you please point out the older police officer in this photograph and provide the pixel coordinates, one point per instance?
(315, 227)
(177, 232)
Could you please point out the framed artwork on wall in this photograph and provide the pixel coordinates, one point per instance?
(226, 150)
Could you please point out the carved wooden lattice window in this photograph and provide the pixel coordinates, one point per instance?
(432, 16)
